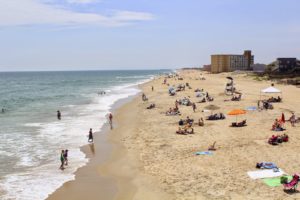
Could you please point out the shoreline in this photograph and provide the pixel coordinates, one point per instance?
(90, 175)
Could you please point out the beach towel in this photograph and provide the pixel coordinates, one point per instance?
(275, 182)
(251, 108)
(204, 153)
(265, 173)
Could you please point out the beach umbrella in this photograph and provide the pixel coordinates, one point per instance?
(237, 112)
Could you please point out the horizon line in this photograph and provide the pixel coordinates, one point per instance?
(87, 70)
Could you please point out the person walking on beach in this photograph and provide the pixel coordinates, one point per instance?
(293, 119)
(110, 118)
(91, 139)
(152, 88)
(62, 160)
(58, 115)
(66, 157)
(194, 107)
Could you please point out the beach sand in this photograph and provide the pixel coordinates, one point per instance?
(150, 161)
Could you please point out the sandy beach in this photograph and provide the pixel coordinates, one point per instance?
(148, 160)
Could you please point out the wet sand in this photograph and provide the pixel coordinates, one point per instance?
(88, 183)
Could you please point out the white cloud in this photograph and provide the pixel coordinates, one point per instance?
(82, 1)
(34, 12)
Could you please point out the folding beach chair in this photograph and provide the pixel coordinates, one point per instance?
(292, 185)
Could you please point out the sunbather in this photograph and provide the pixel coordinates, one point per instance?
(216, 116)
(212, 147)
(185, 131)
(189, 130)
(201, 122)
(180, 131)
(202, 101)
(209, 98)
(152, 105)
(239, 124)
(275, 140)
(274, 100)
(266, 165)
(267, 105)
(277, 126)
(236, 98)
(173, 111)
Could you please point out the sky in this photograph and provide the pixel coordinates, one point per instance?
(42, 35)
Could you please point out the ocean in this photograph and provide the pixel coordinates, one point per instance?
(31, 136)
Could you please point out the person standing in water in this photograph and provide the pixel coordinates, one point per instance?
(110, 117)
(58, 115)
(91, 139)
(62, 160)
(3, 111)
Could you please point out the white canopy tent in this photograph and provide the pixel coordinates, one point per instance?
(270, 90)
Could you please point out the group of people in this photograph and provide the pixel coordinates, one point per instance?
(274, 100)
(239, 124)
(101, 93)
(64, 153)
(274, 140)
(188, 122)
(216, 116)
(265, 105)
(184, 131)
(173, 111)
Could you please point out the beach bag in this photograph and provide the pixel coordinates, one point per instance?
(180, 123)
(283, 180)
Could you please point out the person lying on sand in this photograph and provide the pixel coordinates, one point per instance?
(173, 111)
(266, 165)
(185, 131)
(152, 105)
